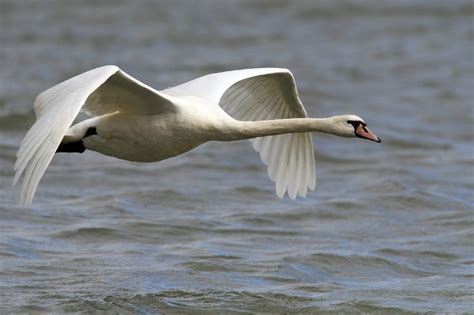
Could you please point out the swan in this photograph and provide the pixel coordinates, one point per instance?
(134, 122)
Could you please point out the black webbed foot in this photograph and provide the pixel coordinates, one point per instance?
(78, 146)
(71, 147)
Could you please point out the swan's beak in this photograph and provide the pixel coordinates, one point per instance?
(364, 132)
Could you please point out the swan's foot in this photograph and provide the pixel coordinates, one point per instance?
(77, 146)
(71, 147)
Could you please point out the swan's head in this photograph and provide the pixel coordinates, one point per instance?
(352, 126)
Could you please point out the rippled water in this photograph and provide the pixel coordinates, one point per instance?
(389, 229)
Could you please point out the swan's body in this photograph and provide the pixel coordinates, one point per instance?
(134, 122)
(148, 138)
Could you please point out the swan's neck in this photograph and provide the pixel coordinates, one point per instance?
(253, 129)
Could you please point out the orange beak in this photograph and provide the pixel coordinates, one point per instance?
(364, 132)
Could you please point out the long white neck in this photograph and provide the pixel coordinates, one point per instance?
(241, 130)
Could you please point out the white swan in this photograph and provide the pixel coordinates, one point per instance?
(134, 122)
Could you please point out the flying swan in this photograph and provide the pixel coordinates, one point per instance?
(132, 121)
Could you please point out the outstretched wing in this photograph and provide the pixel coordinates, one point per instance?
(96, 92)
(264, 94)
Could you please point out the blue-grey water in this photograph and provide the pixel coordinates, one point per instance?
(388, 230)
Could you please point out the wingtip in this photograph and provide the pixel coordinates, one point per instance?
(25, 203)
(26, 199)
(280, 194)
(15, 180)
(312, 184)
(292, 192)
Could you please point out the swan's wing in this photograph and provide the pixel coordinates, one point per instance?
(263, 94)
(96, 92)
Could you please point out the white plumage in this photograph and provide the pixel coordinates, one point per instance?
(264, 94)
(134, 122)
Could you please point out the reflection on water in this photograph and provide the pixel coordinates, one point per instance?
(388, 229)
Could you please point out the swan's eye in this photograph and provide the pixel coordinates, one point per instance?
(354, 123)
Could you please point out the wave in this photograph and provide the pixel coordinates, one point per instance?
(223, 302)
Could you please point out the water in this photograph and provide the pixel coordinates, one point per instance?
(389, 229)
